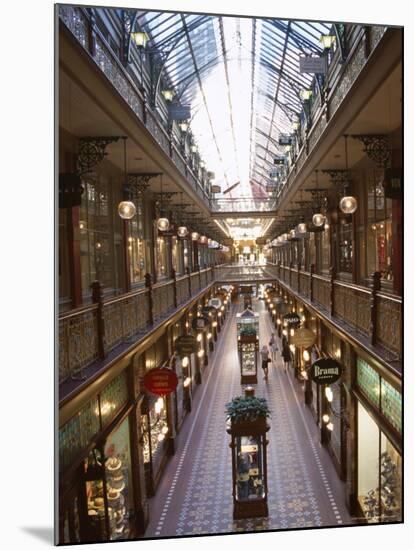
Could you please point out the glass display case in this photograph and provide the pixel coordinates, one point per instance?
(249, 468)
(154, 424)
(379, 472)
(248, 347)
(247, 323)
(108, 484)
(249, 464)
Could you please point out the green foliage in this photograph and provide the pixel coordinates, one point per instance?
(247, 408)
(247, 331)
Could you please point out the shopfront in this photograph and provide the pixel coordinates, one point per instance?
(99, 497)
(379, 461)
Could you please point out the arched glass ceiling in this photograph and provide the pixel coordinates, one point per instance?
(241, 78)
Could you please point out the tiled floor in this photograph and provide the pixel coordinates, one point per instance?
(194, 496)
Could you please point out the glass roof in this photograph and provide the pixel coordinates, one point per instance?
(241, 78)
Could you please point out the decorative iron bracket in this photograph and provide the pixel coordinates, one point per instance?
(338, 177)
(128, 21)
(377, 148)
(141, 181)
(92, 152)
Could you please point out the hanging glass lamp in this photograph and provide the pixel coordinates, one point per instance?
(318, 219)
(182, 231)
(348, 204)
(163, 224)
(126, 210)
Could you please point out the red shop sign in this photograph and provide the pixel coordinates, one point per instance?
(160, 381)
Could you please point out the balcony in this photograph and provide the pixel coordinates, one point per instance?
(91, 337)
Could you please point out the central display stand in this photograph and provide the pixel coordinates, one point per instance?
(248, 345)
(249, 464)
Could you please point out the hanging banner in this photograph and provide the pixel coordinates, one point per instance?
(200, 323)
(186, 345)
(303, 338)
(160, 381)
(179, 112)
(313, 64)
(325, 371)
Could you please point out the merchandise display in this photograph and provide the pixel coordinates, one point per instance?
(248, 351)
(249, 469)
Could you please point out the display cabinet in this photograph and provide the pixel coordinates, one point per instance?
(247, 323)
(248, 348)
(249, 464)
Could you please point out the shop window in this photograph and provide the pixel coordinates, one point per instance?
(119, 482)
(379, 230)
(186, 255)
(161, 257)
(177, 255)
(379, 472)
(100, 237)
(325, 244)
(344, 245)
(110, 471)
(312, 250)
(154, 431)
(138, 261)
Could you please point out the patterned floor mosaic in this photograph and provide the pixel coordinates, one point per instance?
(194, 496)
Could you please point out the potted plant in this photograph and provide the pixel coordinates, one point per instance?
(247, 411)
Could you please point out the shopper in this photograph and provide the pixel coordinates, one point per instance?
(286, 353)
(264, 353)
(273, 347)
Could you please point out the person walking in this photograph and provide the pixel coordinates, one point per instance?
(286, 353)
(273, 347)
(264, 353)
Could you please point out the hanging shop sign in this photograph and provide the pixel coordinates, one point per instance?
(186, 345)
(160, 381)
(200, 323)
(171, 231)
(261, 240)
(313, 64)
(325, 371)
(292, 319)
(285, 139)
(303, 338)
(179, 112)
(393, 183)
(215, 189)
(215, 302)
(279, 160)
